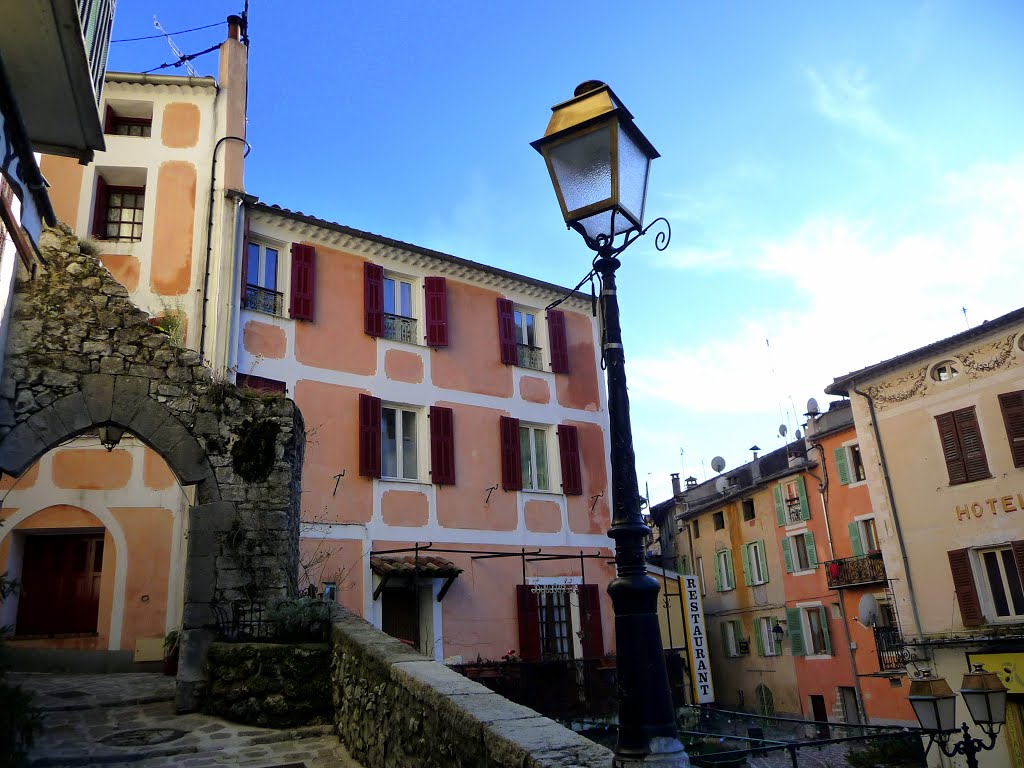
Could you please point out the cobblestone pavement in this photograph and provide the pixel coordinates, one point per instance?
(129, 720)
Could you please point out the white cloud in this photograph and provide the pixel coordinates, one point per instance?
(846, 97)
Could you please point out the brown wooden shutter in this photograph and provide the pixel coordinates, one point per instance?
(507, 332)
(558, 341)
(369, 436)
(966, 589)
(1012, 405)
(529, 623)
(971, 444)
(303, 281)
(951, 449)
(590, 618)
(569, 453)
(99, 209)
(435, 294)
(511, 463)
(373, 299)
(442, 446)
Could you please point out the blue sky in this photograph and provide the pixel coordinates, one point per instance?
(841, 179)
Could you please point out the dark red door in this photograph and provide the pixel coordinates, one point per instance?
(60, 584)
(399, 615)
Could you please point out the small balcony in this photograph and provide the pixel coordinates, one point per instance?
(262, 299)
(529, 357)
(400, 328)
(892, 653)
(855, 571)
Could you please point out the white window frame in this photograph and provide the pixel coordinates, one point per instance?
(399, 437)
(805, 624)
(868, 523)
(280, 278)
(849, 447)
(765, 625)
(792, 509)
(551, 456)
(732, 644)
(721, 559)
(415, 304)
(519, 314)
(798, 570)
(985, 591)
(756, 577)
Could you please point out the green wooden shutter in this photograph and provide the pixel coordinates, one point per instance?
(823, 618)
(758, 631)
(725, 638)
(805, 508)
(796, 632)
(787, 554)
(843, 466)
(858, 546)
(763, 558)
(718, 573)
(745, 554)
(729, 569)
(780, 508)
(812, 554)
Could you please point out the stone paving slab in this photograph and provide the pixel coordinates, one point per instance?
(129, 720)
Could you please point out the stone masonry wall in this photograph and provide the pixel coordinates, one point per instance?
(81, 355)
(395, 708)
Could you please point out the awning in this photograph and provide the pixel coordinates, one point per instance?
(423, 567)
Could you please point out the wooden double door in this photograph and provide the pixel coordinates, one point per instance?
(60, 584)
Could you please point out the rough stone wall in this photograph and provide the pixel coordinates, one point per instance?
(81, 355)
(395, 707)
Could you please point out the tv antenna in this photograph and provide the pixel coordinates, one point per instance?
(175, 49)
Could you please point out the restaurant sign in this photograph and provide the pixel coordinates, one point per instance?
(700, 664)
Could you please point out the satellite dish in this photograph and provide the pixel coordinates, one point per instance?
(721, 484)
(718, 463)
(783, 430)
(812, 407)
(867, 611)
(797, 434)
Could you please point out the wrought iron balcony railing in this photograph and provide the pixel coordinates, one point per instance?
(892, 653)
(529, 357)
(855, 571)
(263, 300)
(400, 328)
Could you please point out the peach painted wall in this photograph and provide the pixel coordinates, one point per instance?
(77, 468)
(477, 467)
(124, 268)
(26, 481)
(181, 125)
(534, 390)
(400, 365)
(404, 508)
(64, 175)
(543, 516)
(584, 515)
(579, 389)
(263, 339)
(331, 414)
(155, 472)
(339, 287)
(472, 361)
(340, 561)
(171, 267)
(148, 533)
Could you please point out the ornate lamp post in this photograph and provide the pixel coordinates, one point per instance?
(935, 706)
(599, 163)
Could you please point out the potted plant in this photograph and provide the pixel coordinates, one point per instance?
(172, 642)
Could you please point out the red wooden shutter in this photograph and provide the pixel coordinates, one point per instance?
(373, 299)
(569, 452)
(511, 464)
(507, 332)
(435, 293)
(1012, 404)
(529, 623)
(951, 449)
(303, 281)
(442, 446)
(966, 590)
(369, 436)
(590, 618)
(245, 261)
(109, 119)
(971, 444)
(558, 341)
(99, 210)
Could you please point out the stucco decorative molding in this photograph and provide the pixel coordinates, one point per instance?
(988, 357)
(899, 390)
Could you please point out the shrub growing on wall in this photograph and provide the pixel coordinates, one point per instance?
(19, 720)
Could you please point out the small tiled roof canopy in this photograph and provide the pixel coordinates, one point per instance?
(425, 566)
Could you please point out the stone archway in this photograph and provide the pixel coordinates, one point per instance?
(80, 355)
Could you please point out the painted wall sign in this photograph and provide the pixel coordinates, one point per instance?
(700, 664)
(1009, 667)
(1009, 503)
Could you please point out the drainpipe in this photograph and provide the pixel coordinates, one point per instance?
(892, 506)
(209, 235)
(236, 290)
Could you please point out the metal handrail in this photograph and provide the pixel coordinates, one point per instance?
(854, 571)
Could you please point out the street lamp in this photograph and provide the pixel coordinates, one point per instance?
(934, 704)
(599, 163)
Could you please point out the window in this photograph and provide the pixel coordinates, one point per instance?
(683, 564)
(128, 118)
(700, 577)
(398, 443)
(399, 318)
(766, 645)
(808, 631)
(765, 700)
(817, 629)
(755, 565)
(528, 353)
(520, 339)
(719, 519)
(748, 510)
(849, 464)
(962, 447)
(533, 457)
(945, 371)
(261, 279)
(695, 527)
(732, 640)
(1012, 406)
(863, 537)
(791, 501)
(1003, 579)
(260, 384)
(799, 553)
(559, 620)
(725, 578)
(119, 212)
(555, 625)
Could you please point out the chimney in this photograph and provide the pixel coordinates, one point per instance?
(234, 27)
(231, 103)
(676, 490)
(691, 482)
